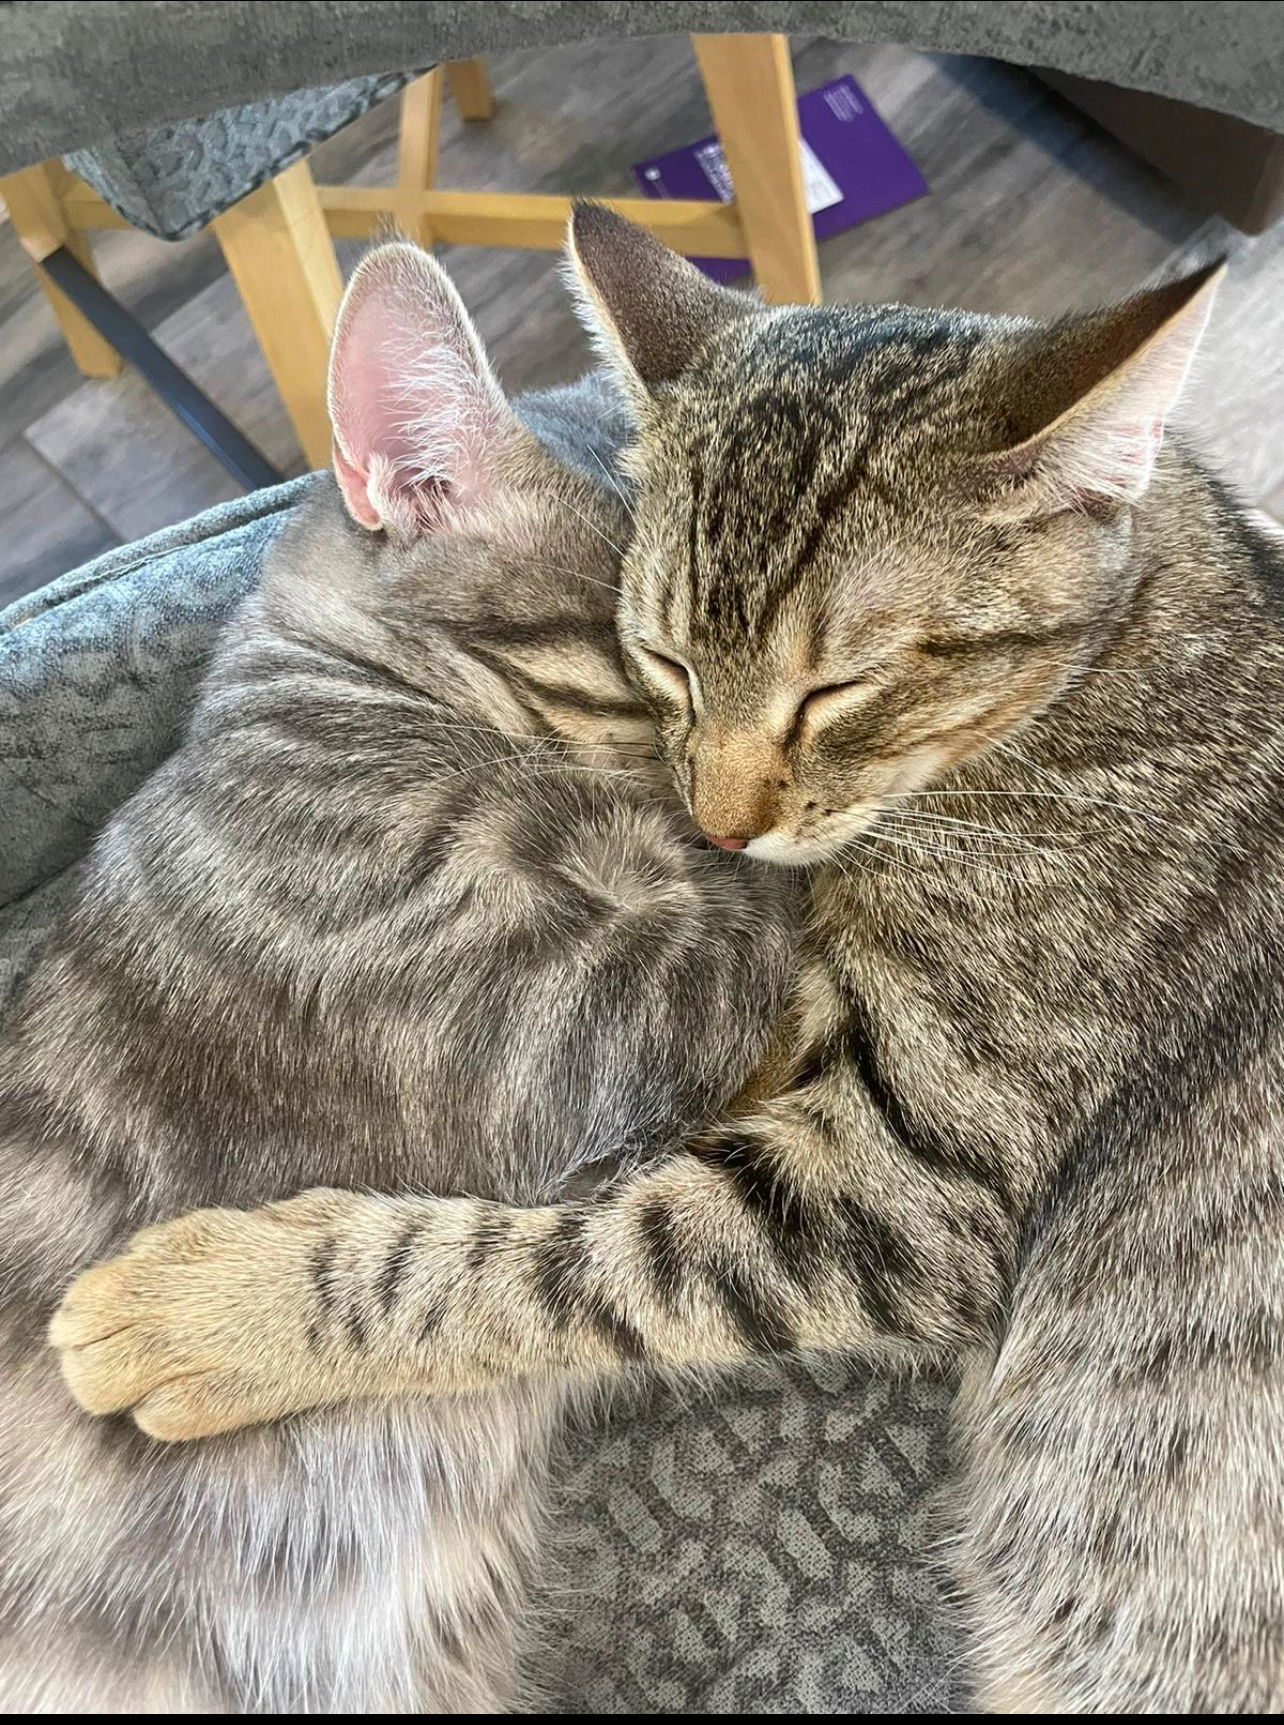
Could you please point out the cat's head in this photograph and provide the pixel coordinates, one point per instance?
(869, 540)
(466, 559)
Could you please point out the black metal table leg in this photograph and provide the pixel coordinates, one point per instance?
(132, 342)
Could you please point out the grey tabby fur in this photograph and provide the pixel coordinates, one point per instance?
(409, 908)
(916, 597)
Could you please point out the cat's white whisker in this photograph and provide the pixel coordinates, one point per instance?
(579, 575)
(1102, 670)
(593, 526)
(982, 795)
(947, 853)
(973, 833)
(871, 850)
(642, 750)
(610, 479)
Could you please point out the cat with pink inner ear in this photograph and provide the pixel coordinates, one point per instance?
(411, 907)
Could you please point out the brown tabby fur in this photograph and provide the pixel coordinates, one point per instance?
(910, 605)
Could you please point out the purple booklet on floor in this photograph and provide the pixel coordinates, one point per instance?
(853, 168)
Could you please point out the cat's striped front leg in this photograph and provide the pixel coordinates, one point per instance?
(754, 1241)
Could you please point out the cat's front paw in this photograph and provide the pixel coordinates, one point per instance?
(204, 1324)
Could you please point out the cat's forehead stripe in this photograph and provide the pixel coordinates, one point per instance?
(817, 429)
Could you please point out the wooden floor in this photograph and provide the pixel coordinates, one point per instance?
(1031, 209)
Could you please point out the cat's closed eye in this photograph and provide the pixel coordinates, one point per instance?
(668, 673)
(817, 699)
(830, 700)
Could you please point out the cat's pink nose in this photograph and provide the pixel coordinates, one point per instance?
(726, 844)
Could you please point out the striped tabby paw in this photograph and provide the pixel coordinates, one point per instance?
(205, 1324)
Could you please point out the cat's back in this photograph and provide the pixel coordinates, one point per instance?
(169, 1020)
(216, 1017)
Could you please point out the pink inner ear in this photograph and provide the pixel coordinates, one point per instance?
(1140, 447)
(1132, 451)
(352, 483)
(416, 412)
(1111, 460)
(1082, 465)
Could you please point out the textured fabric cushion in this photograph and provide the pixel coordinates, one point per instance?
(175, 178)
(760, 1549)
(761, 1552)
(76, 72)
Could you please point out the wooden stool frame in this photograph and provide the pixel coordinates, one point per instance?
(278, 239)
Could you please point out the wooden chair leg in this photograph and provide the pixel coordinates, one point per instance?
(470, 87)
(750, 85)
(417, 152)
(34, 197)
(281, 257)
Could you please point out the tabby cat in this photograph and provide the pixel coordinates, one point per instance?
(411, 907)
(916, 598)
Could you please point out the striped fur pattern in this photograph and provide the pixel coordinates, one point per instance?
(412, 908)
(914, 599)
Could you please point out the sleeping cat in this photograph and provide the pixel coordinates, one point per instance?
(917, 599)
(410, 908)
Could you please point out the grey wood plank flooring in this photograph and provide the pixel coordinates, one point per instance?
(45, 527)
(1031, 210)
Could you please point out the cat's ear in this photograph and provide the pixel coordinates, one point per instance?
(417, 416)
(1098, 395)
(649, 310)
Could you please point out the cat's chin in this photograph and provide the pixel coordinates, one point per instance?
(784, 852)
